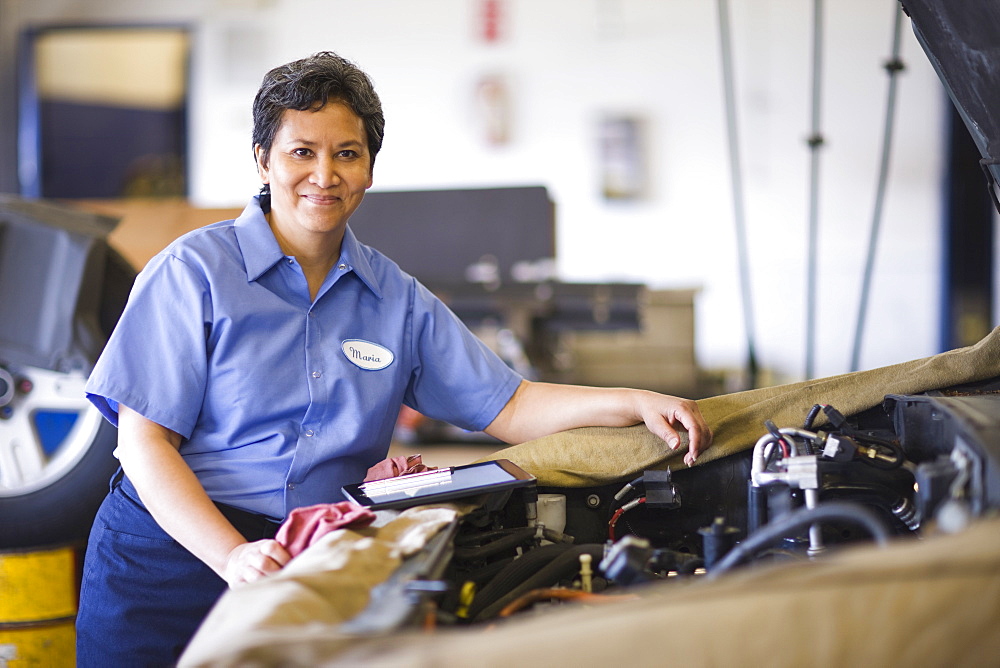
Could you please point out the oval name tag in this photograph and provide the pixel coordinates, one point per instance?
(366, 354)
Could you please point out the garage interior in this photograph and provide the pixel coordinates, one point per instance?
(770, 206)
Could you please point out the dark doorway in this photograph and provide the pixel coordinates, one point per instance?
(103, 112)
(967, 313)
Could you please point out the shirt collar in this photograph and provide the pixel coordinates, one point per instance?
(261, 250)
(257, 243)
(353, 254)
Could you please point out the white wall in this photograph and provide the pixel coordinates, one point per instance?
(571, 61)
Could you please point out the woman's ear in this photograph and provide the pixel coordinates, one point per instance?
(261, 157)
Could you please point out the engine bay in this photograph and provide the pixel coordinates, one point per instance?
(913, 464)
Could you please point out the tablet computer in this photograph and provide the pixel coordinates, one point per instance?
(444, 484)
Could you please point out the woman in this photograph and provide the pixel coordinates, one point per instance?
(260, 365)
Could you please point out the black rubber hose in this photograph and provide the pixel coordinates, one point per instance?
(564, 565)
(515, 573)
(495, 547)
(466, 539)
(897, 453)
(841, 511)
(811, 417)
(487, 572)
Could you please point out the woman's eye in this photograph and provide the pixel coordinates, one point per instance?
(347, 153)
(302, 152)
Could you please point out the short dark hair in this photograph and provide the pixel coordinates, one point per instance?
(308, 84)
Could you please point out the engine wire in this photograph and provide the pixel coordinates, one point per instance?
(562, 594)
(621, 511)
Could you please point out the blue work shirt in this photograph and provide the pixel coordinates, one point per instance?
(280, 399)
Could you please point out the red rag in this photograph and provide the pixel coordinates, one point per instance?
(397, 466)
(304, 526)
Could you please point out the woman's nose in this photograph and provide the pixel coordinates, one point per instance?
(324, 173)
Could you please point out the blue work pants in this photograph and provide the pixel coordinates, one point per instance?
(143, 595)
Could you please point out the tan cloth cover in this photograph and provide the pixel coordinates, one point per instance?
(930, 602)
(325, 585)
(600, 455)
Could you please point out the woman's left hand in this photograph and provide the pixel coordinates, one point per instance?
(663, 414)
(539, 409)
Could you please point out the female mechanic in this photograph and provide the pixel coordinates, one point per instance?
(260, 365)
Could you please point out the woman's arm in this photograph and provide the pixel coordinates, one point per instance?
(540, 409)
(167, 486)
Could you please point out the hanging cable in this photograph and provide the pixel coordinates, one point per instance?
(742, 251)
(815, 142)
(893, 67)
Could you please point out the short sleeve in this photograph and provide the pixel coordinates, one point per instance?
(457, 378)
(156, 359)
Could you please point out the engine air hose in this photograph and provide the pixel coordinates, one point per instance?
(840, 511)
(516, 572)
(487, 572)
(562, 566)
(497, 546)
(466, 539)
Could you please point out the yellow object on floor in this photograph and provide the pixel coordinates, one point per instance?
(38, 603)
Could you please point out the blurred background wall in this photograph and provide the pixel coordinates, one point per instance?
(615, 106)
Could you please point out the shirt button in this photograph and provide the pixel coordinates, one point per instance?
(309, 432)
(342, 267)
(317, 374)
(291, 485)
(291, 261)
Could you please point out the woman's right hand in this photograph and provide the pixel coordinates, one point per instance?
(251, 561)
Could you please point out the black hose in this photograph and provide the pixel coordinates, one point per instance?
(562, 566)
(811, 417)
(466, 539)
(487, 572)
(881, 464)
(497, 546)
(515, 573)
(840, 511)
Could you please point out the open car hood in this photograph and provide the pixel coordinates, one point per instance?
(962, 42)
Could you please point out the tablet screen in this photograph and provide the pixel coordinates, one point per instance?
(438, 485)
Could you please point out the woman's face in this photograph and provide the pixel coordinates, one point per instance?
(318, 169)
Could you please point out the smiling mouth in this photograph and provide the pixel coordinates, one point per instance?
(321, 199)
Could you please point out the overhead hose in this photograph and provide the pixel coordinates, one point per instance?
(833, 511)
(562, 566)
(739, 215)
(893, 67)
(815, 142)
